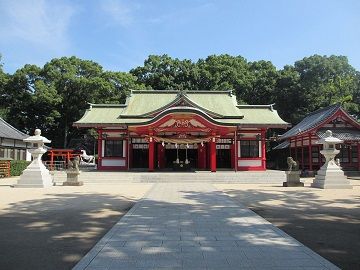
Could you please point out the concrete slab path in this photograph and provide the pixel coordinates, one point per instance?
(195, 226)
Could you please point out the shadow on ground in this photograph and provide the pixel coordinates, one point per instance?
(196, 229)
(55, 233)
(329, 227)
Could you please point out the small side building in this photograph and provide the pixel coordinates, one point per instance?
(301, 139)
(12, 145)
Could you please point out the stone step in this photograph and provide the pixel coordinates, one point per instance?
(102, 177)
(352, 173)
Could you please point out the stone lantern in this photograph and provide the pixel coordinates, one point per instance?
(36, 174)
(330, 175)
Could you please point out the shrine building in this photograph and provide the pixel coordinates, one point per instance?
(181, 130)
(301, 140)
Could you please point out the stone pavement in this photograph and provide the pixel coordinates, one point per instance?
(194, 226)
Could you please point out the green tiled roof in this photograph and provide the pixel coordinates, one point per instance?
(222, 103)
(143, 102)
(143, 105)
(260, 115)
(100, 114)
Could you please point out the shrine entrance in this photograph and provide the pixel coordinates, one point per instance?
(140, 158)
(184, 141)
(223, 158)
(180, 156)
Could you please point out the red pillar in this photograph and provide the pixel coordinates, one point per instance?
(235, 151)
(151, 154)
(263, 149)
(310, 154)
(213, 154)
(52, 160)
(302, 153)
(99, 148)
(232, 155)
(161, 156)
(201, 156)
(358, 155)
(129, 153)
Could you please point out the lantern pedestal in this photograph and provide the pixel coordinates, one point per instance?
(330, 175)
(36, 175)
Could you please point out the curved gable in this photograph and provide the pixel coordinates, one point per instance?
(181, 119)
(218, 104)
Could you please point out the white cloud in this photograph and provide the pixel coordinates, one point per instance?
(119, 12)
(41, 23)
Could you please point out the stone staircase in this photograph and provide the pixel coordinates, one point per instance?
(110, 177)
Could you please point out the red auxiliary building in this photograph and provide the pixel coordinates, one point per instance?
(301, 139)
(159, 130)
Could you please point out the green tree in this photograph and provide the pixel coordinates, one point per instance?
(162, 72)
(316, 82)
(224, 72)
(325, 80)
(18, 95)
(263, 76)
(79, 82)
(288, 95)
(3, 81)
(55, 96)
(118, 86)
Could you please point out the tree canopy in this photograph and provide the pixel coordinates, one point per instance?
(54, 96)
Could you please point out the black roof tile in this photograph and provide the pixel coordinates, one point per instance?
(8, 131)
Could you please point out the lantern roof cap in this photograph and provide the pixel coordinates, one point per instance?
(329, 138)
(36, 138)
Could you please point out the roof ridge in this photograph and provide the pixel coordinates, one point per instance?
(114, 105)
(338, 105)
(327, 111)
(174, 91)
(256, 105)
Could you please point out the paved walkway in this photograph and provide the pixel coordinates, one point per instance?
(194, 226)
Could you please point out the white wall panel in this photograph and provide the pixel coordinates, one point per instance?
(113, 162)
(249, 163)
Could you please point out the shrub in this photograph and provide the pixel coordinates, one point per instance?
(17, 167)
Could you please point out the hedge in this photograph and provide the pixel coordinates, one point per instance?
(17, 167)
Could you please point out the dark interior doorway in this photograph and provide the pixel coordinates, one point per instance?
(170, 157)
(140, 158)
(223, 158)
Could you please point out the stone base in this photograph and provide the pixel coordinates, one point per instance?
(34, 178)
(72, 178)
(293, 184)
(72, 183)
(307, 173)
(293, 179)
(331, 179)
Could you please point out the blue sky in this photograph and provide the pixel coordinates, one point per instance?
(120, 34)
